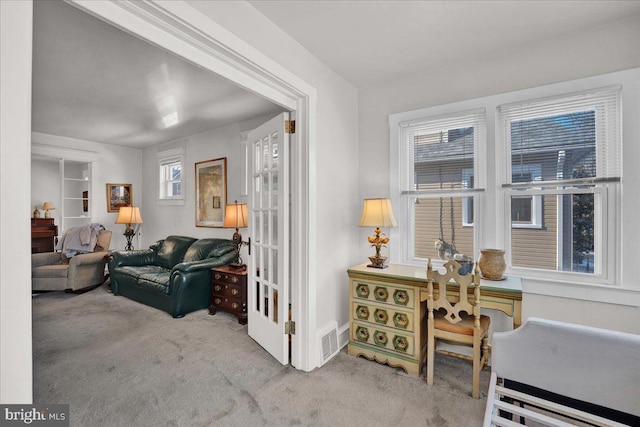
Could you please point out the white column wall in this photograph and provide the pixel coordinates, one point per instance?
(15, 165)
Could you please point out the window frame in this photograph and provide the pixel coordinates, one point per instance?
(491, 231)
(399, 182)
(165, 159)
(536, 200)
(607, 236)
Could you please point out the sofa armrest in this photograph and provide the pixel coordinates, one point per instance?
(205, 264)
(133, 258)
(88, 259)
(46, 258)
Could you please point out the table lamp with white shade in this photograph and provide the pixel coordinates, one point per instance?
(46, 207)
(129, 215)
(377, 213)
(236, 216)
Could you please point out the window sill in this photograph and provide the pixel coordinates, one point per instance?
(171, 202)
(609, 294)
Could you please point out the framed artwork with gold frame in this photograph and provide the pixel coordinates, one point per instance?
(119, 195)
(211, 192)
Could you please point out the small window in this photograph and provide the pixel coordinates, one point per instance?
(171, 176)
(171, 180)
(526, 211)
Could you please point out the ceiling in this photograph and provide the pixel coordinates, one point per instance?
(94, 82)
(373, 42)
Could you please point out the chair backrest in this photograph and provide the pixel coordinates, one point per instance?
(464, 281)
(103, 241)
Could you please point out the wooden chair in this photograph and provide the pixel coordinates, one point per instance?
(459, 323)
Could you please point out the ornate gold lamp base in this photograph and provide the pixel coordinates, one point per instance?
(377, 261)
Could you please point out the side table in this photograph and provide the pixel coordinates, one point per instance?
(229, 292)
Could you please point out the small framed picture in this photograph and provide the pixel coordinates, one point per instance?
(118, 195)
(211, 192)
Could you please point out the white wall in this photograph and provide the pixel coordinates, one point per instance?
(336, 200)
(160, 220)
(577, 55)
(45, 185)
(112, 164)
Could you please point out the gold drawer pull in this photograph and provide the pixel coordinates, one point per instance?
(381, 294)
(217, 287)
(234, 305)
(381, 316)
(234, 292)
(380, 338)
(234, 279)
(218, 300)
(217, 276)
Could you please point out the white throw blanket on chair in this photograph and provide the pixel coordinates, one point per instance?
(81, 239)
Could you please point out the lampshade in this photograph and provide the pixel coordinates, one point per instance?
(129, 215)
(236, 216)
(377, 213)
(48, 206)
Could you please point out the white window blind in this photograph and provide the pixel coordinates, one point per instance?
(576, 137)
(439, 150)
(438, 181)
(563, 162)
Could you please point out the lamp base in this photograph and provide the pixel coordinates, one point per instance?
(377, 262)
(237, 266)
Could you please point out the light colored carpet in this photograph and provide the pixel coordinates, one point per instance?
(121, 363)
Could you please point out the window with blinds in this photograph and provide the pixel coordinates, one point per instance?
(170, 173)
(563, 159)
(440, 159)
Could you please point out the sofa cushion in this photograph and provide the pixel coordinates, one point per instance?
(172, 250)
(55, 270)
(207, 248)
(153, 286)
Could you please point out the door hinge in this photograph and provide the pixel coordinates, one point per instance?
(290, 328)
(290, 126)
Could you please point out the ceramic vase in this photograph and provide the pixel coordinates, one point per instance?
(492, 264)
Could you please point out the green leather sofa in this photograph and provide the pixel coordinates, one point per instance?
(173, 274)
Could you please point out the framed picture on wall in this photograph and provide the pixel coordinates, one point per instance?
(118, 195)
(211, 192)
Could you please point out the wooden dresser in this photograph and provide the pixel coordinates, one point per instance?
(385, 322)
(43, 234)
(229, 292)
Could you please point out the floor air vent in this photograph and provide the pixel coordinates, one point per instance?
(328, 343)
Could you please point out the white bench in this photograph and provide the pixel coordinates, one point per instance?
(559, 374)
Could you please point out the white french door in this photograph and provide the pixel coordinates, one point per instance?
(268, 278)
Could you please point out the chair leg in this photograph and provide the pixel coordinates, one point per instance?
(431, 344)
(475, 391)
(485, 352)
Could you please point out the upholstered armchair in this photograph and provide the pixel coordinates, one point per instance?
(53, 271)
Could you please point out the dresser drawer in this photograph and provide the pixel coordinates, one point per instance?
(383, 293)
(226, 278)
(228, 304)
(384, 338)
(382, 315)
(227, 290)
